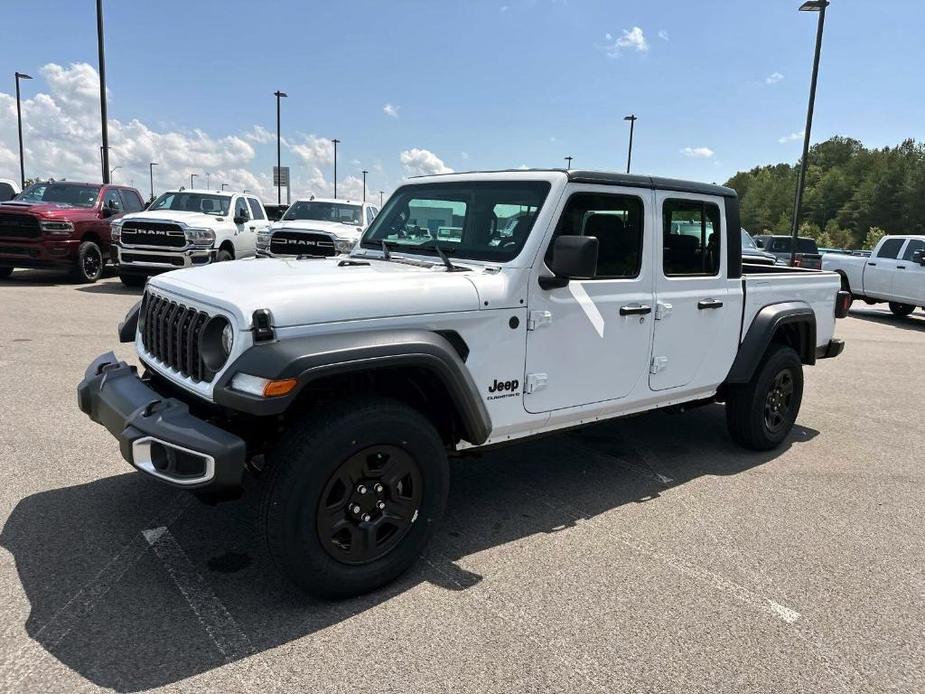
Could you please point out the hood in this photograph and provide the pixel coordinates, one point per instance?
(321, 290)
(48, 210)
(344, 231)
(191, 219)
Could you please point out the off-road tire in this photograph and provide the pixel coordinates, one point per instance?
(747, 405)
(89, 265)
(5, 271)
(902, 310)
(223, 256)
(301, 469)
(132, 280)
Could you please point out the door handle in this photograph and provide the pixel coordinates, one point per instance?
(251, 228)
(900, 267)
(635, 310)
(871, 264)
(709, 303)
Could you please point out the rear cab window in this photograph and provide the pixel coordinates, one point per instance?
(691, 236)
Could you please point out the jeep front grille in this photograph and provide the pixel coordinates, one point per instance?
(170, 333)
(144, 233)
(22, 226)
(301, 243)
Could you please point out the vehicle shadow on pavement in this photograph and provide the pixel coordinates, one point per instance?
(914, 321)
(47, 278)
(111, 288)
(107, 606)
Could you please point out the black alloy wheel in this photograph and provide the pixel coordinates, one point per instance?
(369, 504)
(779, 401)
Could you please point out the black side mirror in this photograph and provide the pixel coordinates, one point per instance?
(759, 243)
(240, 220)
(918, 257)
(106, 212)
(572, 256)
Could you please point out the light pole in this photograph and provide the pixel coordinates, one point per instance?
(568, 163)
(22, 164)
(364, 184)
(223, 185)
(809, 6)
(113, 170)
(103, 116)
(279, 173)
(151, 176)
(629, 155)
(336, 142)
(191, 177)
(380, 198)
(208, 180)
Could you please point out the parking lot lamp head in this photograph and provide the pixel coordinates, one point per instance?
(568, 163)
(191, 177)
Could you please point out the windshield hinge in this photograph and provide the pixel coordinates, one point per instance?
(538, 319)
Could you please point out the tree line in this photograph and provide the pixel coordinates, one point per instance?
(853, 194)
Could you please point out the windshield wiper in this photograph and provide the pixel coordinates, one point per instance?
(387, 255)
(446, 261)
(385, 250)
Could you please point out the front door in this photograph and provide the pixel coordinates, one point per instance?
(588, 342)
(245, 235)
(880, 269)
(909, 281)
(697, 316)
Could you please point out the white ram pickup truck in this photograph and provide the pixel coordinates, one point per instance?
(185, 228)
(337, 387)
(316, 227)
(894, 272)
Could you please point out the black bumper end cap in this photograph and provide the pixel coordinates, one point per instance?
(831, 350)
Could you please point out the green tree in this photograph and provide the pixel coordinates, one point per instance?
(874, 234)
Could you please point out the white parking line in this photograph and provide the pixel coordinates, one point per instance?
(225, 633)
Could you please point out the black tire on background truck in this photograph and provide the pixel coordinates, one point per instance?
(89, 266)
(132, 280)
(899, 309)
(761, 413)
(5, 272)
(223, 256)
(351, 495)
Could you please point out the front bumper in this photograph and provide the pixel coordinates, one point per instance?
(831, 350)
(38, 252)
(147, 260)
(157, 434)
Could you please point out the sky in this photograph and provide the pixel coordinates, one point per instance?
(425, 86)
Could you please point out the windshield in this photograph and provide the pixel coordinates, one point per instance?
(782, 244)
(193, 202)
(324, 212)
(479, 220)
(75, 194)
(748, 242)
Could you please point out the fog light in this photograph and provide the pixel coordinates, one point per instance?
(262, 387)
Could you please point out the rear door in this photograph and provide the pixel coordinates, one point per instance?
(881, 268)
(909, 281)
(588, 342)
(698, 310)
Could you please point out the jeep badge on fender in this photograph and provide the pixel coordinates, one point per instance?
(343, 384)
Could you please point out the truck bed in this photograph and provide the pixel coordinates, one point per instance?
(764, 285)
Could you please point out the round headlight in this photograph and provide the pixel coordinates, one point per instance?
(227, 338)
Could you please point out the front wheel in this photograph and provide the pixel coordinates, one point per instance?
(351, 496)
(223, 256)
(89, 266)
(761, 413)
(899, 309)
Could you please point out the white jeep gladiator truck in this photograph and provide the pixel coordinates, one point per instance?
(184, 228)
(337, 387)
(894, 272)
(316, 227)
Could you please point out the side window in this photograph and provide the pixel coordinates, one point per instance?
(113, 200)
(255, 208)
(914, 245)
(617, 223)
(132, 201)
(890, 248)
(370, 214)
(6, 191)
(240, 208)
(691, 238)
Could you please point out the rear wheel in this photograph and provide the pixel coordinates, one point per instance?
(899, 309)
(131, 280)
(89, 266)
(5, 272)
(761, 413)
(351, 496)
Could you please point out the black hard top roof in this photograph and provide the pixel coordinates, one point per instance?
(614, 178)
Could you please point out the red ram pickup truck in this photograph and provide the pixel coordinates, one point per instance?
(61, 224)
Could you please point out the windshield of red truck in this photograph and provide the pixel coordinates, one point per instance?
(75, 194)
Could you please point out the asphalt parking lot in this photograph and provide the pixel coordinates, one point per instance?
(648, 555)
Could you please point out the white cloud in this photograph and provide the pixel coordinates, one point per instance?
(464, 155)
(773, 78)
(792, 137)
(390, 110)
(632, 40)
(663, 34)
(61, 134)
(421, 162)
(697, 152)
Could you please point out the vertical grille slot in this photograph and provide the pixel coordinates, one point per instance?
(171, 335)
